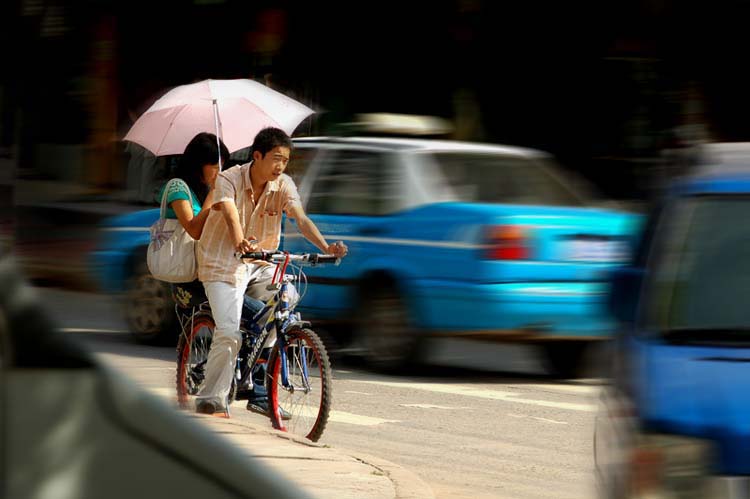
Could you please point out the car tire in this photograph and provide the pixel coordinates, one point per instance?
(566, 359)
(149, 308)
(385, 332)
(330, 342)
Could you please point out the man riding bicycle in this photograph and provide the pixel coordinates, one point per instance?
(249, 200)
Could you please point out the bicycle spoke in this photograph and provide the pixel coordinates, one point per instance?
(307, 399)
(192, 355)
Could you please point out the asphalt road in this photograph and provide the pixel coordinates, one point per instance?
(474, 423)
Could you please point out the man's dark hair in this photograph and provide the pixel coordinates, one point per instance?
(268, 138)
(200, 151)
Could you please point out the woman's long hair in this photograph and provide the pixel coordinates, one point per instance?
(202, 150)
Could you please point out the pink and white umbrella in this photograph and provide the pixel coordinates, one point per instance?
(235, 110)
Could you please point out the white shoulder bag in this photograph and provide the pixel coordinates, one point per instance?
(171, 252)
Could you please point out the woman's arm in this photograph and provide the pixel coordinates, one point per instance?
(184, 211)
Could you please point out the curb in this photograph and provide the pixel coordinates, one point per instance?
(407, 485)
(258, 429)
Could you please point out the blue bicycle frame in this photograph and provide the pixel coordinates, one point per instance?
(281, 318)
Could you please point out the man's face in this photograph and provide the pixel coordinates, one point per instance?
(272, 165)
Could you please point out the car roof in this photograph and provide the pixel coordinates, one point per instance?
(716, 168)
(424, 145)
(722, 158)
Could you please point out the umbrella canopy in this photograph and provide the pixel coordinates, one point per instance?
(235, 110)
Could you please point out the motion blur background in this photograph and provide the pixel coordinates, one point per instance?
(611, 89)
(606, 87)
(619, 92)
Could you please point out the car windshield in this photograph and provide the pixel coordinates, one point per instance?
(699, 279)
(495, 178)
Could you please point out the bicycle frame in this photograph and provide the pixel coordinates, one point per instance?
(281, 317)
(276, 316)
(295, 393)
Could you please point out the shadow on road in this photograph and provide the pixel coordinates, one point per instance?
(514, 364)
(121, 344)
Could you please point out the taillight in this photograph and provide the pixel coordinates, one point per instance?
(508, 242)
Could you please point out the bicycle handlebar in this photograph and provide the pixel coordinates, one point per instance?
(280, 257)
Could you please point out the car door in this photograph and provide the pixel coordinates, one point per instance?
(349, 199)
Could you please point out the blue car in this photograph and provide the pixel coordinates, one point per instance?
(675, 421)
(446, 238)
(457, 239)
(119, 266)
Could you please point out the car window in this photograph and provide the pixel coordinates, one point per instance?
(493, 178)
(700, 269)
(354, 183)
(300, 161)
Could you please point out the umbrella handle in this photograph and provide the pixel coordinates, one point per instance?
(218, 140)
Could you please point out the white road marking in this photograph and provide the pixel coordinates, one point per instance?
(433, 406)
(481, 393)
(441, 388)
(356, 419)
(578, 389)
(357, 393)
(544, 420)
(553, 421)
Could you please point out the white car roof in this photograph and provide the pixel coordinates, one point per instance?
(426, 145)
(722, 158)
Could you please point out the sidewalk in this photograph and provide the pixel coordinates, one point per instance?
(57, 252)
(322, 471)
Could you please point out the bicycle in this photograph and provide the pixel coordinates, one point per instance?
(298, 370)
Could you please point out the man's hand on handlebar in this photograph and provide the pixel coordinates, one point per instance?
(280, 257)
(338, 249)
(247, 246)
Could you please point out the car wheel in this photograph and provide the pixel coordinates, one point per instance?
(149, 308)
(565, 359)
(385, 331)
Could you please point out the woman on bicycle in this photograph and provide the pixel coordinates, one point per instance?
(190, 193)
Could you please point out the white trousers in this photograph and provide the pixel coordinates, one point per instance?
(226, 306)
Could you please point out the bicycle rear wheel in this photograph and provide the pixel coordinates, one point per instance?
(307, 398)
(192, 355)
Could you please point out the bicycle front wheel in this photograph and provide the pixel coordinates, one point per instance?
(302, 405)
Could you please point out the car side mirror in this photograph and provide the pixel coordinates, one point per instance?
(624, 294)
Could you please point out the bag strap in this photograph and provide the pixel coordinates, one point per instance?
(173, 183)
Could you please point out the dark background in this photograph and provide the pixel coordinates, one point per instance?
(604, 86)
